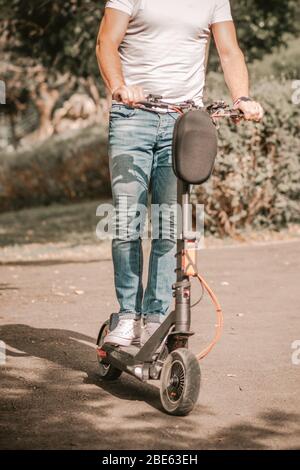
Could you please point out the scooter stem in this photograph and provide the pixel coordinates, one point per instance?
(182, 288)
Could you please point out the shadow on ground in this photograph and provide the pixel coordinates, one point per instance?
(58, 401)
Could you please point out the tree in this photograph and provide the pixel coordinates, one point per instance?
(262, 25)
(62, 35)
(47, 50)
(59, 37)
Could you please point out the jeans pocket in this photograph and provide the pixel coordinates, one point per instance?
(121, 111)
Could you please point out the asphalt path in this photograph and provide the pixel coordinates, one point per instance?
(51, 393)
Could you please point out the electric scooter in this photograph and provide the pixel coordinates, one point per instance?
(166, 356)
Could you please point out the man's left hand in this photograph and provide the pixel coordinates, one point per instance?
(252, 110)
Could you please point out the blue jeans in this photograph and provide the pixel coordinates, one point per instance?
(140, 158)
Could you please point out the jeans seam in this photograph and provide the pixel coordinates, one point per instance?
(157, 129)
(140, 277)
(149, 278)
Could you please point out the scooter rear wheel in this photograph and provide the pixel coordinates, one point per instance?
(107, 371)
(180, 382)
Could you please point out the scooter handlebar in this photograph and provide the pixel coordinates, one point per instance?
(217, 110)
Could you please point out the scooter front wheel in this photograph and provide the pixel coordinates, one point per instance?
(180, 382)
(107, 371)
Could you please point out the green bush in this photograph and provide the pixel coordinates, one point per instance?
(256, 181)
(63, 168)
(282, 63)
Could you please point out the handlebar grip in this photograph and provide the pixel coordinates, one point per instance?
(237, 113)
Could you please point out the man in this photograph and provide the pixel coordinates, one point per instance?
(158, 47)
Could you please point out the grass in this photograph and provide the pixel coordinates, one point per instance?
(57, 223)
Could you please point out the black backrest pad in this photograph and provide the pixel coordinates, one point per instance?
(194, 147)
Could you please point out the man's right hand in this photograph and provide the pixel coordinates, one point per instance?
(129, 94)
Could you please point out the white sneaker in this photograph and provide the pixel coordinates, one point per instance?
(127, 332)
(148, 330)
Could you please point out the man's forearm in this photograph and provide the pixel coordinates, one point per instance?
(236, 74)
(110, 64)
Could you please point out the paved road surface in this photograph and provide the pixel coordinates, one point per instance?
(51, 395)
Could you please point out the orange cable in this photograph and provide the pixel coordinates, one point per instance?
(220, 319)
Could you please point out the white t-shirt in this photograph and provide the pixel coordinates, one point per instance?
(165, 44)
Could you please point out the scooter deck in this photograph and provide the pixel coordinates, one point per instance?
(121, 357)
(132, 350)
(131, 355)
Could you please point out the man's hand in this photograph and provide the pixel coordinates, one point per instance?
(235, 69)
(129, 94)
(252, 110)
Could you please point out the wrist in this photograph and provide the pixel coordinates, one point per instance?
(113, 89)
(242, 99)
